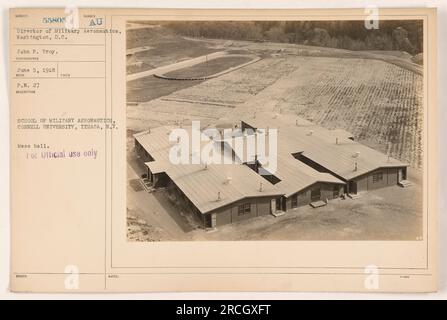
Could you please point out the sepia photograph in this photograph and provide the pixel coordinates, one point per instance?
(274, 130)
(226, 151)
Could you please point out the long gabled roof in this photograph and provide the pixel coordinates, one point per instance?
(209, 186)
(296, 176)
(293, 174)
(219, 185)
(213, 186)
(332, 149)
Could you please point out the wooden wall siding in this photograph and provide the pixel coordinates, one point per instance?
(365, 182)
(223, 216)
(378, 184)
(327, 192)
(263, 206)
(229, 214)
(392, 176)
(362, 183)
(234, 212)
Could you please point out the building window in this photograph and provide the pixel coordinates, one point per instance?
(377, 177)
(243, 209)
(294, 201)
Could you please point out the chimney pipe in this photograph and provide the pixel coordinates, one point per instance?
(218, 196)
(355, 167)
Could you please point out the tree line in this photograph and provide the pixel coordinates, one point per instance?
(402, 35)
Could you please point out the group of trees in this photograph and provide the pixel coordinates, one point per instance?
(352, 35)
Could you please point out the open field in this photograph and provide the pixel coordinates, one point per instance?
(398, 58)
(380, 103)
(164, 48)
(137, 90)
(375, 95)
(209, 68)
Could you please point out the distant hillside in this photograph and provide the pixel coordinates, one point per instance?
(352, 35)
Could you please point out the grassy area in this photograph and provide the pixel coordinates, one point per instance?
(379, 102)
(209, 68)
(165, 48)
(149, 88)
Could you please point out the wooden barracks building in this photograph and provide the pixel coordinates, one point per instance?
(314, 165)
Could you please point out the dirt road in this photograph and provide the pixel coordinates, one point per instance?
(176, 66)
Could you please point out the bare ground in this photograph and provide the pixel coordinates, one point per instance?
(209, 68)
(374, 216)
(392, 213)
(379, 102)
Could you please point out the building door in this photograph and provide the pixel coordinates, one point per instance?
(336, 192)
(315, 194)
(278, 204)
(352, 187)
(207, 221)
(399, 175)
(150, 176)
